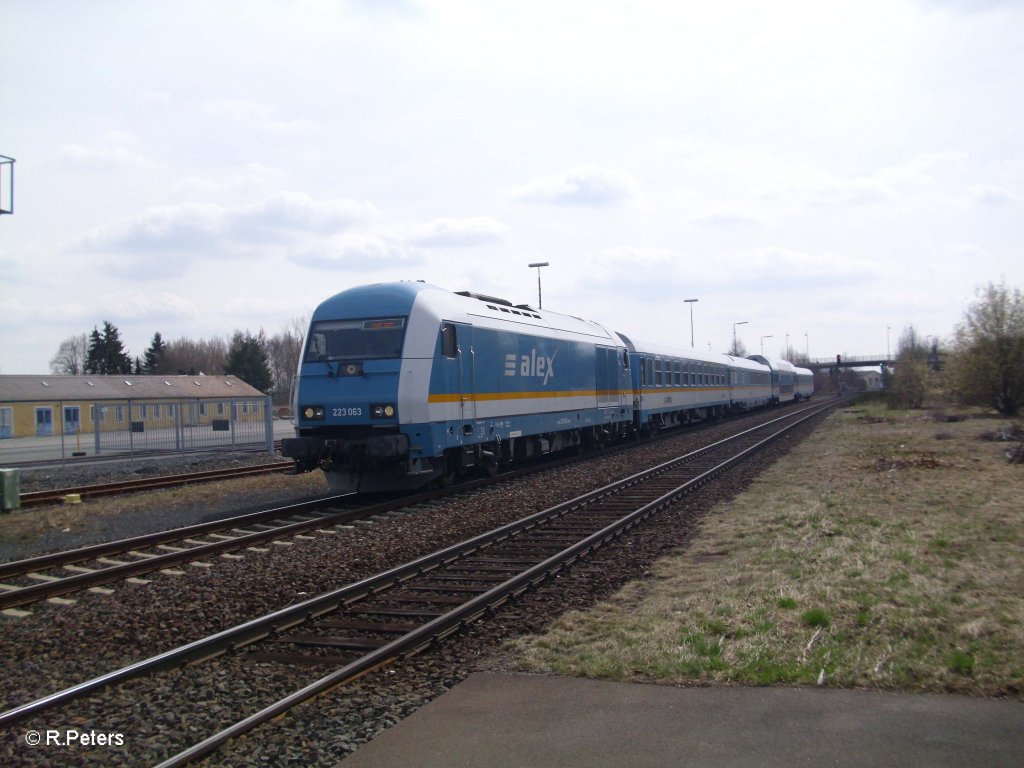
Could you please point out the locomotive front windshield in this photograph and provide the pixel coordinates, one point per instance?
(355, 339)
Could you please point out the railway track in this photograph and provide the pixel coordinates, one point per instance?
(57, 495)
(57, 575)
(48, 577)
(396, 614)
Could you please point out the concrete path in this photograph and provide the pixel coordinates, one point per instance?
(520, 721)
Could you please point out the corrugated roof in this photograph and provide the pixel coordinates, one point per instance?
(15, 389)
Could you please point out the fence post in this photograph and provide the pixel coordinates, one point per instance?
(268, 422)
(131, 434)
(60, 415)
(100, 417)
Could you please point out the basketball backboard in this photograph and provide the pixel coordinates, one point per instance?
(6, 184)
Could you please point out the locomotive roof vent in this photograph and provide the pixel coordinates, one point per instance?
(482, 297)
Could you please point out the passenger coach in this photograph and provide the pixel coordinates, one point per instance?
(788, 382)
(675, 386)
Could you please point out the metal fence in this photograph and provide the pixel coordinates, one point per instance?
(129, 427)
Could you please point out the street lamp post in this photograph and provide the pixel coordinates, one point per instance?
(538, 265)
(888, 357)
(742, 322)
(807, 347)
(769, 336)
(691, 302)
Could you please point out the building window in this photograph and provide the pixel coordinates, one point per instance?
(72, 419)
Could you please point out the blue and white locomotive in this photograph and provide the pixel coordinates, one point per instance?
(402, 384)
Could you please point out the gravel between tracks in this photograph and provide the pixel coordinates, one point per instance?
(61, 645)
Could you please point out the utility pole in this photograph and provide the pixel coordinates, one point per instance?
(538, 265)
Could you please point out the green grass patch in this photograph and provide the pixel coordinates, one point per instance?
(816, 617)
(872, 552)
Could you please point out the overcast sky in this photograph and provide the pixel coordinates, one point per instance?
(819, 169)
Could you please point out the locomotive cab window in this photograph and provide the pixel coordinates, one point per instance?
(355, 339)
(449, 342)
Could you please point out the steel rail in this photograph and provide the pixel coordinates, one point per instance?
(450, 622)
(32, 498)
(37, 592)
(256, 629)
(47, 589)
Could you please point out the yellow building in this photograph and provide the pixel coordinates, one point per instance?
(114, 413)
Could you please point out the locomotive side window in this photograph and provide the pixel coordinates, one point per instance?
(358, 339)
(449, 342)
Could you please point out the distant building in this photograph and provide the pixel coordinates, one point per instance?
(872, 380)
(40, 406)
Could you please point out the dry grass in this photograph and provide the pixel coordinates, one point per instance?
(24, 525)
(884, 551)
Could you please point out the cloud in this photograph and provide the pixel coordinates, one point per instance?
(919, 174)
(127, 304)
(251, 176)
(727, 219)
(356, 252)
(134, 304)
(215, 230)
(103, 157)
(993, 197)
(458, 233)
(588, 185)
(297, 211)
(254, 113)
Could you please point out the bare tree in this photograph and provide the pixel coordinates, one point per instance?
(70, 357)
(190, 356)
(738, 349)
(284, 349)
(987, 361)
(795, 356)
(912, 378)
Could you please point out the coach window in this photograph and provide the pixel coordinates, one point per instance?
(649, 365)
(449, 345)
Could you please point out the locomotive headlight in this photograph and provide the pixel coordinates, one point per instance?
(313, 412)
(382, 410)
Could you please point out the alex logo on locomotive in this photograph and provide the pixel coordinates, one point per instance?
(532, 365)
